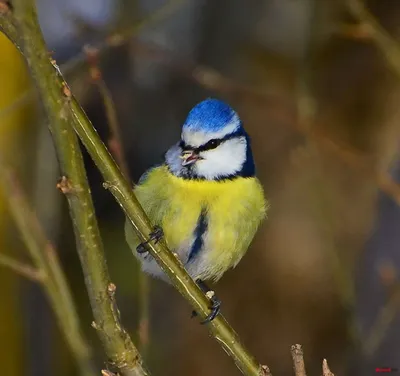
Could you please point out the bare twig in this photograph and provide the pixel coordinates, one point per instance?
(298, 360)
(20, 268)
(115, 143)
(325, 369)
(25, 32)
(389, 47)
(119, 38)
(116, 146)
(48, 270)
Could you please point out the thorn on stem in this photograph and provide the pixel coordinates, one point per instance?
(64, 185)
(94, 325)
(107, 185)
(325, 369)
(66, 90)
(210, 294)
(106, 372)
(264, 371)
(111, 288)
(55, 65)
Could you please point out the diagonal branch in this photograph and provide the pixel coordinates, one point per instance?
(122, 191)
(25, 32)
(50, 84)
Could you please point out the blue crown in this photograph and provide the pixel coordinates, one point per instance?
(210, 115)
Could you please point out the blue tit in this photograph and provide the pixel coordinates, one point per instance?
(205, 196)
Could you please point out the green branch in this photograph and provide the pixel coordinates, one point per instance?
(24, 31)
(122, 191)
(50, 84)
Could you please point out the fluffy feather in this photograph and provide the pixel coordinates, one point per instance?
(233, 208)
(210, 205)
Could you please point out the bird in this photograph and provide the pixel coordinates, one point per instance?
(204, 198)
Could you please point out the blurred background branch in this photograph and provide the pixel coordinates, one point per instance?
(52, 89)
(388, 46)
(48, 271)
(116, 146)
(24, 270)
(344, 213)
(116, 341)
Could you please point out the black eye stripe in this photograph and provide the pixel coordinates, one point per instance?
(212, 144)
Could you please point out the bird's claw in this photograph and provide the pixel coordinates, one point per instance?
(156, 235)
(215, 309)
(215, 303)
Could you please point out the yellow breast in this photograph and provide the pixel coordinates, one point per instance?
(234, 210)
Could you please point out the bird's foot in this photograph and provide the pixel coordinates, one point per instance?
(156, 235)
(215, 303)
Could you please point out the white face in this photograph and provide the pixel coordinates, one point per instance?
(226, 159)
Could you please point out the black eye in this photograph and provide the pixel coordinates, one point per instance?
(212, 144)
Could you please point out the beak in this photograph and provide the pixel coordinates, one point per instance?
(189, 157)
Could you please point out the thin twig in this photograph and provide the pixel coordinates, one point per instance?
(382, 39)
(325, 369)
(115, 39)
(115, 143)
(298, 360)
(119, 38)
(117, 149)
(22, 269)
(56, 99)
(48, 266)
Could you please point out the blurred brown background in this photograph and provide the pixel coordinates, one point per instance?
(320, 101)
